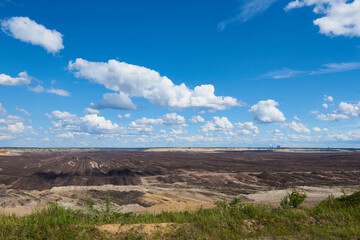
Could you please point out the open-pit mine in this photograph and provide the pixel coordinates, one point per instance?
(152, 180)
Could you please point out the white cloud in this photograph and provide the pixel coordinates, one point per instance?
(247, 128)
(11, 119)
(27, 30)
(2, 110)
(348, 136)
(23, 111)
(317, 129)
(14, 126)
(58, 115)
(136, 81)
(276, 132)
(344, 111)
(283, 73)
(177, 131)
(197, 119)
(328, 98)
(248, 10)
(97, 124)
(169, 119)
(5, 137)
(325, 105)
(65, 135)
(331, 117)
(340, 17)
(297, 127)
(59, 92)
(117, 101)
(173, 119)
(22, 79)
(127, 116)
(337, 67)
(266, 112)
(88, 124)
(217, 124)
(91, 111)
(37, 89)
(297, 118)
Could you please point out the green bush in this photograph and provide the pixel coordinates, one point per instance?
(294, 200)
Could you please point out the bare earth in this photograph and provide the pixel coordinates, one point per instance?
(153, 180)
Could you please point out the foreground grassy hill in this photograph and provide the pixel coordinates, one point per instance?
(334, 218)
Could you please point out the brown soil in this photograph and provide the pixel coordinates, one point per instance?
(149, 229)
(44, 170)
(151, 181)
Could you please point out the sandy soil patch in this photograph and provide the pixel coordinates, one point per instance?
(314, 194)
(149, 229)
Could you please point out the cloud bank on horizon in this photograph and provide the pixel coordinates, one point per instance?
(112, 103)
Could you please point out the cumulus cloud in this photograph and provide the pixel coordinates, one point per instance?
(59, 115)
(22, 79)
(340, 17)
(127, 115)
(14, 126)
(169, 119)
(2, 110)
(197, 119)
(88, 124)
(91, 111)
(247, 128)
(37, 89)
(27, 30)
(276, 132)
(96, 124)
(136, 81)
(298, 127)
(217, 124)
(344, 111)
(118, 101)
(266, 112)
(325, 105)
(177, 131)
(328, 98)
(317, 129)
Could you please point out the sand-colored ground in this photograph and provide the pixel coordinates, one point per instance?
(149, 229)
(151, 199)
(209, 150)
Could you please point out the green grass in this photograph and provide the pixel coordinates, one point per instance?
(332, 219)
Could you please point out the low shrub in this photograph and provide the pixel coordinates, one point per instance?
(294, 200)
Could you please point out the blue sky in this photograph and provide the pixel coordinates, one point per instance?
(180, 73)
